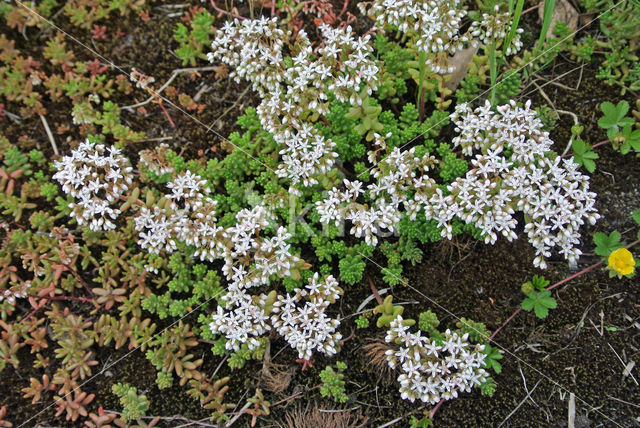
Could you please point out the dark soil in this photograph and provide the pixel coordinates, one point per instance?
(578, 354)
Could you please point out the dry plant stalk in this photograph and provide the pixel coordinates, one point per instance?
(375, 352)
(316, 418)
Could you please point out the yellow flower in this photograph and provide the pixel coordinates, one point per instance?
(621, 261)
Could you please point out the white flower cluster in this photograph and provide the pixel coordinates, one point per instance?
(397, 176)
(96, 176)
(435, 22)
(187, 216)
(155, 159)
(432, 371)
(250, 260)
(245, 317)
(293, 80)
(553, 194)
(16, 292)
(309, 328)
(494, 27)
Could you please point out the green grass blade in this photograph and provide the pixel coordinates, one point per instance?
(515, 20)
(546, 20)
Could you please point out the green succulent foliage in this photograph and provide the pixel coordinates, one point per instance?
(48, 190)
(109, 120)
(547, 116)
(394, 71)
(426, 231)
(451, 166)
(428, 321)
(583, 51)
(488, 388)
(190, 286)
(409, 250)
(333, 384)
(362, 321)
(341, 131)
(239, 358)
(37, 157)
(192, 40)
(605, 245)
(164, 380)
(388, 312)
(469, 88)
(477, 331)
(134, 405)
(366, 115)
(351, 268)
(620, 26)
(219, 344)
(392, 275)
(406, 127)
(509, 87)
(15, 160)
(540, 302)
(246, 172)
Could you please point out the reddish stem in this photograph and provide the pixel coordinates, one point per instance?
(375, 291)
(353, 332)
(224, 12)
(435, 409)
(73, 272)
(166, 113)
(599, 144)
(531, 8)
(344, 9)
(593, 147)
(557, 284)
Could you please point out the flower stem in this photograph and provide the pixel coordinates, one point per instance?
(435, 409)
(375, 291)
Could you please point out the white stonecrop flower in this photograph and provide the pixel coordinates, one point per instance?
(96, 176)
(308, 328)
(432, 372)
(293, 91)
(494, 28)
(436, 24)
(552, 193)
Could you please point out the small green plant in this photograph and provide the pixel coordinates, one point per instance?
(619, 127)
(540, 302)
(537, 283)
(333, 383)
(362, 321)
(493, 355)
(605, 245)
(134, 406)
(351, 268)
(428, 321)
(582, 153)
(193, 40)
(420, 422)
